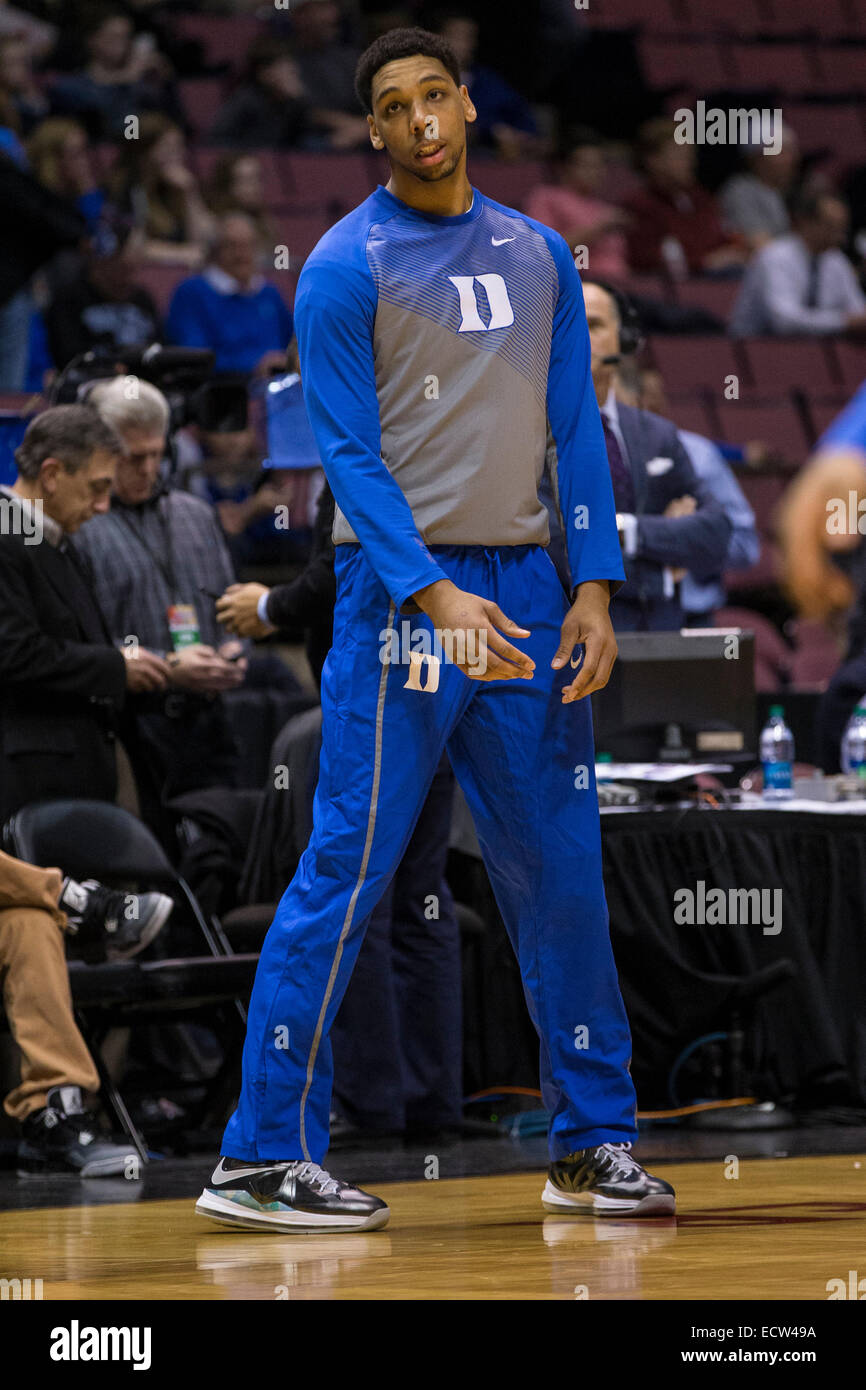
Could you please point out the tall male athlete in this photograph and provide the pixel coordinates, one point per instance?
(439, 333)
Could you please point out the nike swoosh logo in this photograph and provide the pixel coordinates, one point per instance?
(247, 1172)
(503, 240)
(574, 664)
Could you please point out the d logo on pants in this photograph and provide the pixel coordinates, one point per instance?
(417, 661)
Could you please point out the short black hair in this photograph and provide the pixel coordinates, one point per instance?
(808, 206)
(71, 433)
(401, 43)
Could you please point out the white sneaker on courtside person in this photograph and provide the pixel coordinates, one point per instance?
(293, 1195)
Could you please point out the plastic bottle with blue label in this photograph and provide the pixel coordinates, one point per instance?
(777, 757)
(853, 754)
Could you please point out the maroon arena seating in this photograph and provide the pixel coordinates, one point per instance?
(689, 363)
(777, 424)
(774, 365)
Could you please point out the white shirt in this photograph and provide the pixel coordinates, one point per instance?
(773, 296)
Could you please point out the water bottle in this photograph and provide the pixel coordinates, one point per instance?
(777, 756)
(853, 756)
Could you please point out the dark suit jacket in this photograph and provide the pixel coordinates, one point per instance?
(661, 470)
(62, 684)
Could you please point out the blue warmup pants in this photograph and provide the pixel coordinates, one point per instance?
(525, 762)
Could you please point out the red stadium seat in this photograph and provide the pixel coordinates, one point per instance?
(838, 132)
(841, 69)
(775, 365)
(772, 653)
(507, 183)
(161, 281)
(324, 180)
(830, 19)
(716, 296)
(225, 38)
(851, 360)
(693, 411)
(660, 15)
(779, 425)
(816, 655)
(684, 64)
(785, 67)
(201, 98)
(690, 363)
(822, 413)
(300, 232)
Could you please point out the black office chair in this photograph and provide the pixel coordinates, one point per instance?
(96, 839)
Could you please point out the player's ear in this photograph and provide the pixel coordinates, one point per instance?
(375, 138)
(469, 111)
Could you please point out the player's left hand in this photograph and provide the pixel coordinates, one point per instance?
(588, 623)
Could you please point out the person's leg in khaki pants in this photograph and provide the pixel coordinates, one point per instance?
(35, 986)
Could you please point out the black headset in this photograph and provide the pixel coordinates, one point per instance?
(631, 335)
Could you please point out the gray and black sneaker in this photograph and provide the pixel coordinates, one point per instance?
(287, 1196)
(109, 924)
(606, 1181)
(62, 1138)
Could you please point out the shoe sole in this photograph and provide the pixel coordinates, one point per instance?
(160, 916)
(226, 1212)
(595, 1204)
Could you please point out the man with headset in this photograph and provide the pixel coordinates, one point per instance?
(667, 521)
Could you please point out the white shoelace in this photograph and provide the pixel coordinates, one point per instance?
(312, 1173)
(621, 1155)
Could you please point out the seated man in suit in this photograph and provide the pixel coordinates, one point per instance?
(668, 521)
(62, 683)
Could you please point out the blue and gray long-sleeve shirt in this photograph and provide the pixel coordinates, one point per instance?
(439, 356)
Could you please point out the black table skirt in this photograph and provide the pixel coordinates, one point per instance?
(805, 1041)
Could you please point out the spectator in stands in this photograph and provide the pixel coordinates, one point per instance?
(803, 283)
(60, 159)
(327, 67)
(95, 301)
(236, 185)
(270, 107)
(62, 683)
(153, 183)
(676, 225)
(39, 909)
(505, 121)
(230, 307)
(701, 598)
(755, 202)
(572, 206)
(666, 517)
(125, 75)
(22, 102)
(158, 558)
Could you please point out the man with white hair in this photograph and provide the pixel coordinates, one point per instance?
(157, 556)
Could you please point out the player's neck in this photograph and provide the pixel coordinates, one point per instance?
(450, 198)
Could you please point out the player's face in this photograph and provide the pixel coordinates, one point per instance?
(420, 116)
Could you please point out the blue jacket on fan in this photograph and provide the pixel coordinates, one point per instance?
(211, 311)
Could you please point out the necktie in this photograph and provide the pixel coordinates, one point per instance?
(812, 286)
(623, 485)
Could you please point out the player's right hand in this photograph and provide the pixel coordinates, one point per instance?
(469, 624)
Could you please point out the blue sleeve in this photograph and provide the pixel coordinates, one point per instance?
(583, 479)
(849, 428)
(335, 310)
(186, 324)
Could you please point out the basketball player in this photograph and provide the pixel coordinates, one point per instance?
(439, 332)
